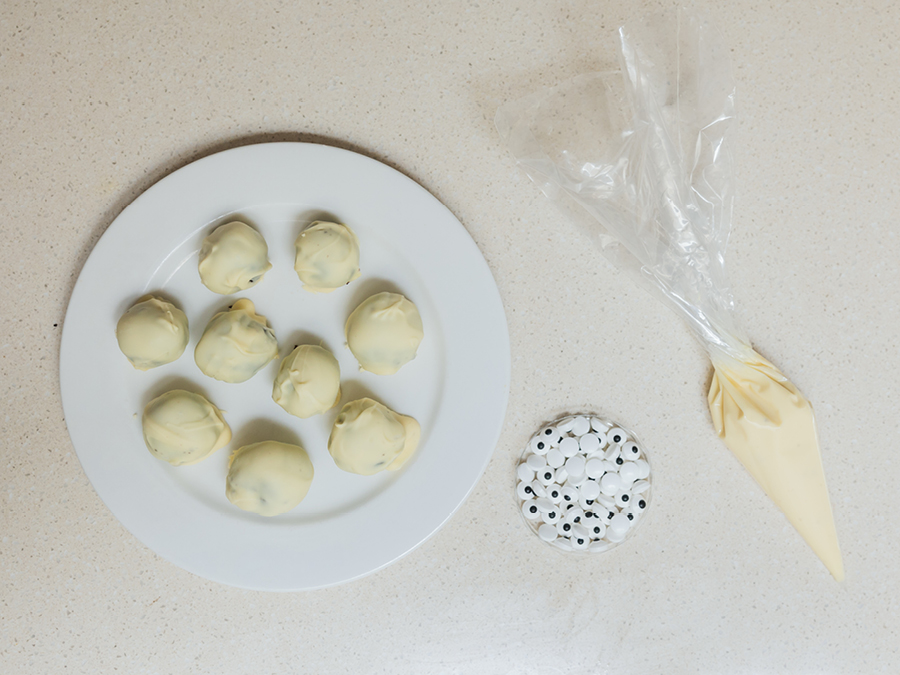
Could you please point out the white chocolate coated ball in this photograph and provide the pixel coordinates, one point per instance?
(327, 256)
(152, 333)
(236, 344)
(233, 258)
(384, 333)
(368, 437)
(268, 478)
(181, 427)
(308, 381)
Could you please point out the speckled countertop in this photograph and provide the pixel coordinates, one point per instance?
(99, 100)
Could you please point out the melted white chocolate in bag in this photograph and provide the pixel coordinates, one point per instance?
(769, 425)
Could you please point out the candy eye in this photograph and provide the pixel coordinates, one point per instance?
(530, 510)
(569, 494)
(629, 472)
(525, 472)
(623, 499)
(550, 517)
(569, 447)
(580, 426)
(536, 462)
(539, 446)
(555, 458)
(589, 443)
(523, 490)
(631, 451)
(617, 435)
(575, 465)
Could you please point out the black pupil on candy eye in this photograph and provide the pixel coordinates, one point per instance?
(548, 432)
(609, 517)
(533, 509)
(554, 494)
(540, 446)
(578, 519)
(548, 476)
(580, 542)
(620, 461)
(552, 514)
(588, 515)
(630, 516)
(617, 438)
(528, 490)
(567, 498)
(624, 498)
(589, 502)
(567, 527)
(596, 530)
(642, 504)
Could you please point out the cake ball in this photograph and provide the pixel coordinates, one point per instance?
(268, 478)
(384, 333)
(308, 382)
(152, 333)
(368, 437)
(183, 428)
(236, 344)
(233, 258)
(327, 256)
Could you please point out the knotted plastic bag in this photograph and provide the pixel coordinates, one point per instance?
(640, 159)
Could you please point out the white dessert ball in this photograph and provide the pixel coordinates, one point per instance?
(384, 333)
(327, 256)
(233, 258)
(268, 478)
(236, 344)
(308, 381)
(152, 333)
(183, 428)
(368, 437)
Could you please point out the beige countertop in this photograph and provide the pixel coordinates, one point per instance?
(99, 100)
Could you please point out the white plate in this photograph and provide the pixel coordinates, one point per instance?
(348, 525)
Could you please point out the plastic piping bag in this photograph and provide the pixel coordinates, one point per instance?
(640, 160)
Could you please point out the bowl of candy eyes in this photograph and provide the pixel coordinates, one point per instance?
(583, 483)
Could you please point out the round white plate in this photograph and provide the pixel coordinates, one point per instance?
(348, 525)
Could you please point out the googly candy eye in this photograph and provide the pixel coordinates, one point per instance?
(640, 486)
(551, 517)
(547, 532)
(554, 493)
(525, 472)
(589, 443)
(639, 504)
(523, 490)
(576, 481)
(561, 475)
(617, 435)
(569, 447)
(563, 528)
(555, 458)
(629, 472)
(569, 494)
(550, 434)
(594, 468)
(574, 516)
(530, 510)
(545, 476)
(599, 425)
(590, 490)
(597, 529)
(544, 505)
(580, 537)
(631, 451)
(613, 452)
(607, 503)
(644, 467)
(618, 525)
(538, 489)
(623, 499)
(564, 426)
(580, 426)
(538, 445)
(536, 462)
(575, 465)
(610, 484)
